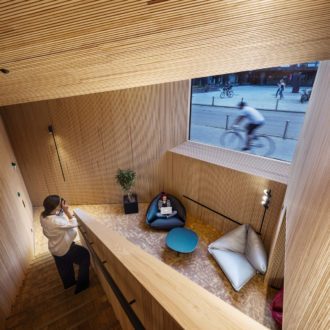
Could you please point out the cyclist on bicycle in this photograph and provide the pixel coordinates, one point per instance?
(256, 119)
(228, 86)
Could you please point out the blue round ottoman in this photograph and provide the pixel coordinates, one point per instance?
(182, 240)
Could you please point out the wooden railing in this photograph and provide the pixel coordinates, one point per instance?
(125, 305)
(159, 296)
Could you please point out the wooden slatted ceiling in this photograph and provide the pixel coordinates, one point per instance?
(56, 49)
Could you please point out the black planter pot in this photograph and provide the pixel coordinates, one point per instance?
(131, 207)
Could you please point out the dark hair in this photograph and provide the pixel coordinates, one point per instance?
(242, 104)
(50, 203)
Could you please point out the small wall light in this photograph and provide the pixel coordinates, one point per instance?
(265, 203)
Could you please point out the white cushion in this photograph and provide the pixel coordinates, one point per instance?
(240, 254)
(235, 266)
(234, 241)
(255, 251)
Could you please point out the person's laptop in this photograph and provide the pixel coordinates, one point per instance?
(166, 210)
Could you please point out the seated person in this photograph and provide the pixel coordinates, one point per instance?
(165, 202)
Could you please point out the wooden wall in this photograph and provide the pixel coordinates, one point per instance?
(235, 194)
(275, 273)
(57, 49)
(16, 236)
(307, 271)
(96, 134)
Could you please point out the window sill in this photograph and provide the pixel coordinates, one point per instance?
(272, 169)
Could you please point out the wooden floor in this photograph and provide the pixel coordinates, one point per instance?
(42, 303)
(253, 299)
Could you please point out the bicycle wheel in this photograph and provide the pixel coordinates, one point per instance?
(262, 145)
(230, 93)
(222, 95)
(231, 140)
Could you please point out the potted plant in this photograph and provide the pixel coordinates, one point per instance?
(126, 179)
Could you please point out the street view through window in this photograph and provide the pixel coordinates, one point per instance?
(260, 112)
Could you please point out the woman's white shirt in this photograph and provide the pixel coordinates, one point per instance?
(60, 232)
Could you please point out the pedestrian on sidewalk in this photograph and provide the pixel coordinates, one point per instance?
(60, 231)
(280, 89)
(255, 118)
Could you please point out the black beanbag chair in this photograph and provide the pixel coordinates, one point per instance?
(166, 223)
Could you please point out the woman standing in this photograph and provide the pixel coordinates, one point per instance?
(60, 231)
(280, 89)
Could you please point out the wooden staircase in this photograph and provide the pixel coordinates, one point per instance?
(42, 303)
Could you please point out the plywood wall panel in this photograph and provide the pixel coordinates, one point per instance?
(275, 272)
(60, 49)
(307, 272)
(97, 134)
(16, 224)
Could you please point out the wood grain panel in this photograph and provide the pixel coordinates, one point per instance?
(63, 48)
(307, 271)
(96, 134)
(16, 223)
(273, 169)
(275, 272)
(181, 305)
(235, 194)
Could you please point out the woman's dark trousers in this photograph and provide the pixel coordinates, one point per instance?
(76, 255)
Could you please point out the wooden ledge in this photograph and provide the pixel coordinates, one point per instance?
(190, 305)
(272, 169)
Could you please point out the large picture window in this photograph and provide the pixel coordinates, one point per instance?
(260, 112)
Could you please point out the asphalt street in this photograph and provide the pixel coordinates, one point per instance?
(208, 124)
(275, 121)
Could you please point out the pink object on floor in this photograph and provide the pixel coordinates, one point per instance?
(276, 307)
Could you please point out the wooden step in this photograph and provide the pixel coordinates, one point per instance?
(58, 316)
(44, 256)
(41, 255)
(74, 315)
(24, 300)
(116, 326)
(51, 292)
(101, 319)
(47, 273)
(42, 265)
(38, 260)
(53, 304)
(36, 283)
(33, 288)
(42, 274)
